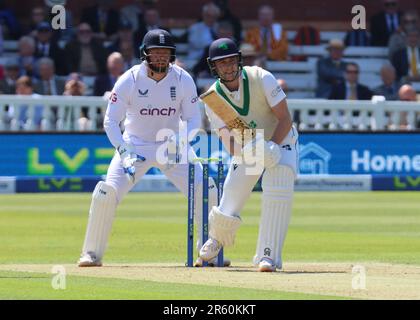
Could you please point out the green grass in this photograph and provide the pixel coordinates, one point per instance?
(23, 285)
(151, 227)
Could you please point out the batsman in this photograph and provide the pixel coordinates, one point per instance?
(244, 98)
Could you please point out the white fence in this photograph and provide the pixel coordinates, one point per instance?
(50, 113)
(63, 113)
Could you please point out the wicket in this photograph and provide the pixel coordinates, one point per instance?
(205, 208)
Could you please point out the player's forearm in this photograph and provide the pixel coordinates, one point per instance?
(113, 132)
(193, 126)
(281, 112)
(282, 129)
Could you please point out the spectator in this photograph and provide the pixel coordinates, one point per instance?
(398, 39)
(407, 93)
(385, 23)
(357, 38)
(268, 38)
(125, 34)
(151, 22)
(8, 23)
(26, 49)
(201, 34)
(1, 41)
(227, 15)
(201, 69)
(134, 12)
(306, 36)
(75, 87)
(127, 52)
(24, 87)
(8, 83)
(45, 46)
(351, 89)
(407, 60)
(250, 56)
(38, 15)
(115, 66)
(389, 87)
(48, 84)
(102, 19)
(330, 70)
(85, 54)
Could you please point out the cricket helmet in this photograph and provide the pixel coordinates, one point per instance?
(220, 49)
(157, 38)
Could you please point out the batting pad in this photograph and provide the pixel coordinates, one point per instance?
(223, 228)
(101, 217)
(198, 210)
(277, 185)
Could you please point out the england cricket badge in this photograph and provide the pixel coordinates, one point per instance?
(173, 93)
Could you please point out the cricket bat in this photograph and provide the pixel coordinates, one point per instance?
(228, 115)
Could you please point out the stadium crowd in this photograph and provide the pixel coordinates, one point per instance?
(89, 55)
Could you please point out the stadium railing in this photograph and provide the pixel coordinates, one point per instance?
(63, 113)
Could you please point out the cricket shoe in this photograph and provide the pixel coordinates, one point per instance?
(210, 249)
(212, 262)
(89, 260)
(266, 265)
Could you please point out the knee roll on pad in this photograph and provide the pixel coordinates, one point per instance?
(223, 228)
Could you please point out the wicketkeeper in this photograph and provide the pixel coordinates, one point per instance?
(246, 98)
(151, 98)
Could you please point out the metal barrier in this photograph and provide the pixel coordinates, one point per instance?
(64, 113)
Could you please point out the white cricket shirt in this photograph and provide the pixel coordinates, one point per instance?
(149, 106)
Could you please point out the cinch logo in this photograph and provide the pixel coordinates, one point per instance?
(157, 112)
(314, 159)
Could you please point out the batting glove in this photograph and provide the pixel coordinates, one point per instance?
(265, 153)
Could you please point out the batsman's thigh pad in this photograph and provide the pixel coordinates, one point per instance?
(237, 189)
(222, 227)
(277, 185)
(198, 208)
(101, 216)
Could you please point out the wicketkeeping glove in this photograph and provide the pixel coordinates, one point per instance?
(128, 159)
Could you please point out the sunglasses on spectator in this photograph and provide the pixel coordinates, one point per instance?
(352, 71)
(85, 31)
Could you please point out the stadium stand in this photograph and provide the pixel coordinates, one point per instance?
(300, 75)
